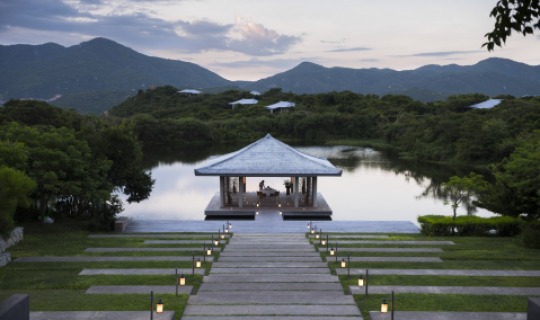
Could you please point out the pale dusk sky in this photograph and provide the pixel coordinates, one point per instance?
(250, 40)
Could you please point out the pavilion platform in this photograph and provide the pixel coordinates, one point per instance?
(283, 203)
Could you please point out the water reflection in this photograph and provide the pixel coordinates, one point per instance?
(373, 186)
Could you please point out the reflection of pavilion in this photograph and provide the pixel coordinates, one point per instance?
(268, 157)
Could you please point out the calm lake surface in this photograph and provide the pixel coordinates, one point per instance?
(373, 187)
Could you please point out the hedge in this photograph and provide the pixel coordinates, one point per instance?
(436, 225)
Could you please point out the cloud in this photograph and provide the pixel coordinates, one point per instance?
(255, 39)
(353, 49)
(441, 53)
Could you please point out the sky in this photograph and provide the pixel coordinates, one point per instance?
(255, 39)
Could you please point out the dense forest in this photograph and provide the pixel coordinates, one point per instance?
(60, 163)
(55, 162)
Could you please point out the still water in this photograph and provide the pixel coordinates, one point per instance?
(373, 187)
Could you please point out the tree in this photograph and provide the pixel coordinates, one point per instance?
(15, 189)
(516, 190)
(522, 16)
(460, 190)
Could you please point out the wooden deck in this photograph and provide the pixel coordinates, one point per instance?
(282, 203)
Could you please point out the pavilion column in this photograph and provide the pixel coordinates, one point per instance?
(314, 195)
(295, 191)
(309, 197)
(240, 192)
(222, 190)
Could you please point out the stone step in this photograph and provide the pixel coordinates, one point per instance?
(108, 259)
(276, 310)
(444, 272)
(270, 271)
(257, 278)
(138, 289)
(266, 247)
(281, 317)
(269, 264)
(272, 297)
(316, 258)
(229, 287)
(513, 291)
(387, 259)
(184, 249)
(268, 253)
(285, 256)
(138, 272)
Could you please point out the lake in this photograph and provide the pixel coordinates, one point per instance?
(374, 186)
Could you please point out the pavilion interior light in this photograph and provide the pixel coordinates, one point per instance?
(182, 280)
(384, 306)
(343, 263)
(159, 306)
(198, 263)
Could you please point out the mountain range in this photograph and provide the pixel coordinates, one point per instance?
(96, 75)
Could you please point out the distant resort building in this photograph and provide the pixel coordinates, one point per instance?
(488, 104)
(243, 102)
(189, 92)
(255, 93)
(282, 105)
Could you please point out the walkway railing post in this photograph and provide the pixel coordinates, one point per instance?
(367, 281)
(151, 305)
(204, 252)
(348, 266)
(176, 280)
(193, 264)
(326, 243)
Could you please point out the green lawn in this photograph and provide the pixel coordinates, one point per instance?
(467, 253)
(56, 286)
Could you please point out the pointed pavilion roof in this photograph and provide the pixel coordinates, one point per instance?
(268, 157)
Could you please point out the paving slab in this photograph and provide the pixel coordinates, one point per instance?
(268, 253)
(388, 259)
(99, 315)
(254, 278)
(418, 315)
(138, 271)
(201, 242)
(147, 249)
(513, 291)
(427, 250)
(394, 242)
(269, 264)
(332, 237)
(272, 297)
(445, 272)
(138, 289)
(153, 235)
(108, 259)
(278, 310)
(269, 286)
(273, 271)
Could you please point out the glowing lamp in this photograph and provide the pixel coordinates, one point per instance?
(159, 306)
(182, 280)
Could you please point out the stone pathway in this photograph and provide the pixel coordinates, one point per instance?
(259, 277)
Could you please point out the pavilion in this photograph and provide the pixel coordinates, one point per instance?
(268, 157)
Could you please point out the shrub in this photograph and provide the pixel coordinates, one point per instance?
(530, 237)
(436, 225)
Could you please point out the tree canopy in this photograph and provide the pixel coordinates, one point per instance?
(522, 16)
